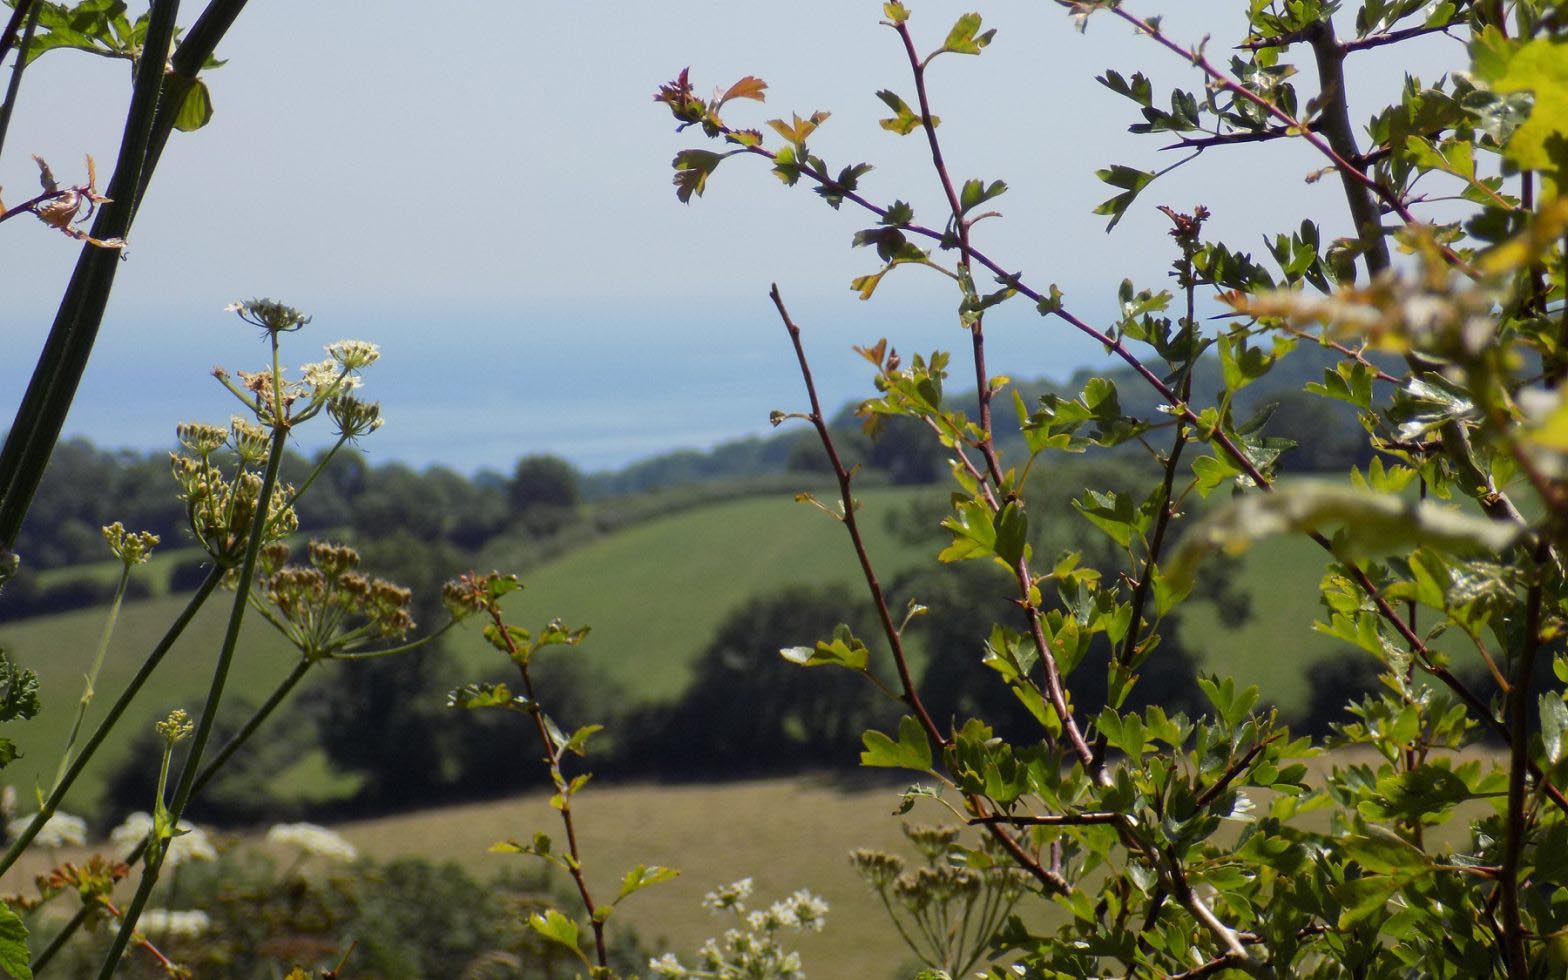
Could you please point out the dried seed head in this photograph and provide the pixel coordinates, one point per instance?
(269, 315)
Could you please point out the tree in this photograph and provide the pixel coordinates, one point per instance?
(544, 482)
(747, 710)
(1113, 809)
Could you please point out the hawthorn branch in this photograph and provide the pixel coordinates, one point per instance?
(1348, 171)
(1345, 47)
(895, 637)
(1227, 139)
(1049, 819)
(1047, 877)
(1517, 703)
(553, 759)
(961, 225)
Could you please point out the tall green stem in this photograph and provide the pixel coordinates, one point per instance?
(92, 675)
(64, 783)
(15, 85)
(64, 358)
(210, 770)
(220, 676)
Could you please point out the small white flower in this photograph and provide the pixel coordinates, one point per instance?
(667, 966)
(313, 839)
(131, 832)
(810, 911)
(729, 896)
(187, 924)
(321, 374)
(354, 354)
(191, 843)
(60, 830)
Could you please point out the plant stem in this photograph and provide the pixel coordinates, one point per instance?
(1518, 711)
(64, 783)
(208, 772)
(53, 386)
(15, 85)
(92, 676)
(911, 697)
(8, 36)
(220, 675)
(1334, 121)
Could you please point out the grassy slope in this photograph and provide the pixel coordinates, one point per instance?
(655, 593)
(1276, 646)
(60, 648)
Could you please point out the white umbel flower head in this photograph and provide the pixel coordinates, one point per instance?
(190, 844)
(186, 924)
(313, 839)
(60, 830)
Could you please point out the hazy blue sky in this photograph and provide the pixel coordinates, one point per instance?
(486, 193)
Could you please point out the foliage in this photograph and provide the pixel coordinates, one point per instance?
(263, 911)
(1193, 842)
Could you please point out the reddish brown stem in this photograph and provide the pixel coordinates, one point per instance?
(1347, 170)
(1517, 706)
(1048, 878)
(1050, 819)
(553, 758)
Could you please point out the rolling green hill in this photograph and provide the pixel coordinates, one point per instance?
(653, 594)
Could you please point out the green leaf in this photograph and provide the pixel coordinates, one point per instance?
(1131, 180)
(965, 37)
(911, 751)
(195, 109)
(1365, 897)
(578, 743)
(977, 192)
(1540, 67)
(1372, 524)
(514, 637)
(14, 957)
(905, 120)
(1554, 720)
(642, 876)
(1111, 512)
(1383, 851)
(844, 650)
(692, 168)
(475, 696)
(1012, 534)
(555, 927)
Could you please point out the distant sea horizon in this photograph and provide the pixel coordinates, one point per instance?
(477, 390)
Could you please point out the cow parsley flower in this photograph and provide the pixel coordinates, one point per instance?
(60, 830)
(313, 839)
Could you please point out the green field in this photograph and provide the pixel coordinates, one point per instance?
(60, 648)
(653, 594)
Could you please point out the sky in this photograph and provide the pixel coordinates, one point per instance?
(487, 195)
